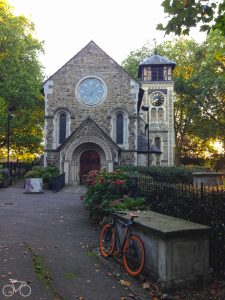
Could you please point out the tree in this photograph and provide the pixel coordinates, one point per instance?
(20, 82)
(200, 89)
(185, 14)
(130, 64)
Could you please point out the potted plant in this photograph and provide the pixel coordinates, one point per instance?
(45, 174)
(34, 180)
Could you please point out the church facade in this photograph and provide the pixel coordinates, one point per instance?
(97, 116)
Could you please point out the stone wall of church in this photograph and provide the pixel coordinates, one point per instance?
(128, 158)
(49, 132)
(122, 93)
(53, 159)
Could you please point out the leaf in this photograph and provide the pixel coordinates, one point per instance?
(125, 282)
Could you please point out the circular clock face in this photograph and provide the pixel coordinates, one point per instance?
(91, 91)
(157, 98)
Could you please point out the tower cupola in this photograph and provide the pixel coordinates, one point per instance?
(155, 68)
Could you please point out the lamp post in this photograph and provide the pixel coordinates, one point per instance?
(146, 108)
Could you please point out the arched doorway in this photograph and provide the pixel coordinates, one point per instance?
(89, 160)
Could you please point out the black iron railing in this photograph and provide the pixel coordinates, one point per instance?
(205, 206)
(58, 182)
(17, 169)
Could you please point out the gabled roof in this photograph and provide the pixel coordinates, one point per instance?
(87, 122)
(91, 42)
(157, 60)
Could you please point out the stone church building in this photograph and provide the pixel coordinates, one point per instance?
(97, 116)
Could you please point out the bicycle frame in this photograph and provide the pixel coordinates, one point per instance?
(22, 283)
(124, 225)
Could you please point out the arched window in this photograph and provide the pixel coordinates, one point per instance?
(158, 142)
(153, 115)
(62, 128)
(160, 115)
(119, 128)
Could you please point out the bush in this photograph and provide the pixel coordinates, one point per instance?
(128, 203)
(47, 173)
(35, 172)
(108, 191)
(165, 174)
(4, 177)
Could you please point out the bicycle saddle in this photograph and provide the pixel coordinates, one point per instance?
(13, 280)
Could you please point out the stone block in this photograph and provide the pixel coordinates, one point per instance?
(177, 251)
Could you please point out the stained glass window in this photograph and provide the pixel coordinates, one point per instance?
(62, 128)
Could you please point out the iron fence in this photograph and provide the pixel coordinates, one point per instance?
(205, 206)
(17, 169)
(58, 182)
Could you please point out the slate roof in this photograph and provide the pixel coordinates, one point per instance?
(143, 145)
(156, 60)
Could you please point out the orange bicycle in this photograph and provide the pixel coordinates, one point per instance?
(131, 247)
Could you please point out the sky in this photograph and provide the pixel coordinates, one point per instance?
(117, 26)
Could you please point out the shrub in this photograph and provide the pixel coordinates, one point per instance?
(4, 177)
(5, 173)
(165, 174)
(108, 191)
(47, 173)
(128, 203)
(1, 178)
(35, 172)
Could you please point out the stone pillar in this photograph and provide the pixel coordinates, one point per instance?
(109, 165)
(73, 172)
(66, 171)
(76, 177)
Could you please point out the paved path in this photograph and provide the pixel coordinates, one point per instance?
(48, 240)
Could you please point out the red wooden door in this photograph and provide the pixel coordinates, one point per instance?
(89, 160)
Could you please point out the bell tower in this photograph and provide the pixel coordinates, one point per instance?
(155, 76)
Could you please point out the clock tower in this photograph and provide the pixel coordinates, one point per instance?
(155, 75)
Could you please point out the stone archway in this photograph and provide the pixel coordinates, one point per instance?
(74, 152)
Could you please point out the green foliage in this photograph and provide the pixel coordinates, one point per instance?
(163, 174)
(47, 173)
(128, 203)
(130, 64)
(185, 14)
(20, 83)
(108, 191)
(200, 89)
(1, 177)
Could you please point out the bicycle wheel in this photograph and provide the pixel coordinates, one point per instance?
(25, 290)
(107, 240)
(8, 290)
(134, 255)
